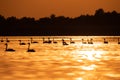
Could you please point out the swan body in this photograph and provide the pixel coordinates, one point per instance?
(90, 41)
(33, 41)
(83, 42)
(55, 42)
(21, 43)
(2, 40)
(30, 50)
(7, 40)
(71, 42)
(105, 42)
(48, 41)
(9, 49)
(64, 43)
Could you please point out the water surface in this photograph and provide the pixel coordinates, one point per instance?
(97, 61)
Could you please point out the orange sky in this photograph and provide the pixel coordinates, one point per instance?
(42, 8)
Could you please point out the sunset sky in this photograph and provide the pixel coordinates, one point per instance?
(43, 8)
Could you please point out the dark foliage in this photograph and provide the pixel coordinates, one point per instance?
(101, 23)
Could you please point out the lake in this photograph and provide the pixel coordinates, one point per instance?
(55, 61)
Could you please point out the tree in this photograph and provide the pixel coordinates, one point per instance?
(99, 12)
(2, 18)
(52, 16)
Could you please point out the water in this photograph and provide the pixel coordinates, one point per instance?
(77, 61)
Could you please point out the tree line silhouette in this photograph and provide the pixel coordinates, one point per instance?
(101, 23)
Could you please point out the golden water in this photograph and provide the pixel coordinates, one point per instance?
(77, 61)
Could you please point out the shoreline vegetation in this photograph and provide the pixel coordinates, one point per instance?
(100, 24)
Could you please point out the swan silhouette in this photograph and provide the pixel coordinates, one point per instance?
(105, 42)
(9, 49)
(71, 42)
(55, 42)
(64, 43)
(7, 40)
(2, 40)
(21, 43)
(90, 41)
(49, 41)
(33, 41)
(83, 42)
(30, 50)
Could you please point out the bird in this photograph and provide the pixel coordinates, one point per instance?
(44, 40)
(71, 42)
(21, 43)
(90, 41)
(30, 50)
(2, 40)
(64, 43)
(105, 42)
(83, 42)
(33, 41)
(48, 41)
(7, 40)
(9, 49)
(55, 42)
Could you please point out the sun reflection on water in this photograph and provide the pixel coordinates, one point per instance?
(92, 55)
(79, 78)
(88, 55)
(90, 67)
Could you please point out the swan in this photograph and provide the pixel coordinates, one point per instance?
(105, 42)
(33, 41)
(21, 43)
(30, 50)
(7, 40)
(71, 42)
(90, 41)
(49, 41)
(83, 42)
(9, 49)
(2, 40)
(55, 42)
(64, 43)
